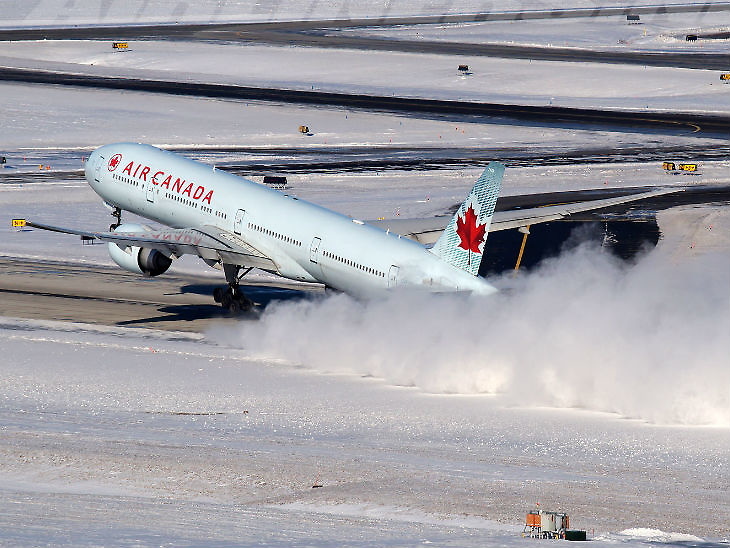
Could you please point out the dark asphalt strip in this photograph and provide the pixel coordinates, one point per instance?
(318, 34)
(689, 60)
(189, 30)
(673, 123)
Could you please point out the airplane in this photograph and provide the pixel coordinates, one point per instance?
(236, 225)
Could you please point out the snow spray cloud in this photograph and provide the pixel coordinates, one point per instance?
(648, 341)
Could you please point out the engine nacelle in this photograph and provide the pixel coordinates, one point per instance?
(140, 260)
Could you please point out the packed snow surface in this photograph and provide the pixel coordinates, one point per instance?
(665, 32)
(514, 81)
(59, 127)
(437, 418)
(116, 12)
(591, 387)
(582, 386)
(83, 118)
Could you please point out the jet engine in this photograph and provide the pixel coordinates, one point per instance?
(140, 260)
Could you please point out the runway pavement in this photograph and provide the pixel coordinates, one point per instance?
(108, 295)
(322, 39)
(317, 34)
(321, 34)
(666, 122)
(377, 158)
(191, 30)
(253, 161)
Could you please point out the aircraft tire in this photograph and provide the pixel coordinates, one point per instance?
(246, 303)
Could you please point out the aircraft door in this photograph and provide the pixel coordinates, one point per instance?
(238, 221)
(393, 276)
(150, 191)
(97, 167)
(314, 250)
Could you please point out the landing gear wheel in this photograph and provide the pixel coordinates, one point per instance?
(232, 298)
(244, 303)
(234, 307)
(237, 303)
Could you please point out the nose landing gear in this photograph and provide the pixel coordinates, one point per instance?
(117, 214)
(233, 299)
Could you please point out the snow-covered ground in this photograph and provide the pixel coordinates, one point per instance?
(115, 12)
(58, 127)
(38, 116)
(590, 387)
(439, 426)
(431, 420)
(656, 32)
(542, 83)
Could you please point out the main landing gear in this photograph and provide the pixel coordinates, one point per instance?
(117, 214)
(233, 298)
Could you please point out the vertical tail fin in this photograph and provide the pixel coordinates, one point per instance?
(462, 242)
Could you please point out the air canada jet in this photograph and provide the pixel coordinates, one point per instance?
(237, 225)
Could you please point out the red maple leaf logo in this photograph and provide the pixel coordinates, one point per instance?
(470, 232)
(114, 161)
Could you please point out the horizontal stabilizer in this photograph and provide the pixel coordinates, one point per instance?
(427, 230)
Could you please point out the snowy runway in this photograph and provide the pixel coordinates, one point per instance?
(126, 436)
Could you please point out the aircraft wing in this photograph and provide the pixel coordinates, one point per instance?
(208, 242)
(428, 230)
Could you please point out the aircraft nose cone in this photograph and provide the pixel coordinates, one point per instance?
(91, 167)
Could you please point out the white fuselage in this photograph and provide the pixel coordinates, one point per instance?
(305, 241)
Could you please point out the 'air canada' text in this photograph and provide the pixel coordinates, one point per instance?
(163, 180)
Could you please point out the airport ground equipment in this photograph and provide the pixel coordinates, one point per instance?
(575, 534)
(542, 524)
(550, 525)
(725, 77)
(275, 181)
(120, 46)
(677, 168)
